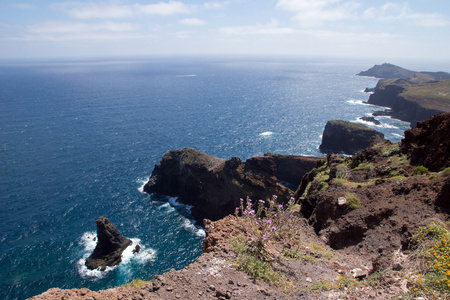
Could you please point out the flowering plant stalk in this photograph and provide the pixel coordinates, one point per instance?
(267, 223)
(343, 174)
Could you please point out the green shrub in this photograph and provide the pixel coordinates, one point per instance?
(434, 242)
(137, 283)
(420, 170)
(445, 171)
(253, 265)
(353, 201)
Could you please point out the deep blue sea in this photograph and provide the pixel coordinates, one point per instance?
(79, 139)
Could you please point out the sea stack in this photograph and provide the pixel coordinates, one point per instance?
(347, 137)
(111, 244)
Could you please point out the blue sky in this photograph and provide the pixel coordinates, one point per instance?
(411, 29)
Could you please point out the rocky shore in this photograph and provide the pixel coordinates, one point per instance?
(336, 250)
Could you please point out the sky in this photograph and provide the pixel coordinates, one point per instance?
(380, 29)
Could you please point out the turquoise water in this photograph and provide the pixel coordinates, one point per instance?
(80, 138)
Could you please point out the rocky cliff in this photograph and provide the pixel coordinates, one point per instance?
(428, 143)
(213, 186)
(411, 102)
(347, 137)
(359, 218)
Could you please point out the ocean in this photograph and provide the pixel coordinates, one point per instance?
(80, 138)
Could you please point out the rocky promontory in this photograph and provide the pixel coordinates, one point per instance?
(347, 137)
(110, 246)
(387, 70)
(213, 186)
(411, 102)
(411, 96)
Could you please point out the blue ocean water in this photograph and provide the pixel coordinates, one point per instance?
(79, 139)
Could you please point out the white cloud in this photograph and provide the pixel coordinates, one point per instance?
(81, 30)
(314, 13)
(215, 5)
(24, 6)
(392, 12)
(86, 10)
(109, 10)
(164, 8)
(192, 22)
(271, 28)
(319, 12)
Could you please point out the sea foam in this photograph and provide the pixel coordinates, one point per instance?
(266, 133)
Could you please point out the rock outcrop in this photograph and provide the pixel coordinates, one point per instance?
(213, 186)
(111, 243)
(292, 168)
(371, 120)
(389, 201)
(428, 143)
(402, 99)
(347, 137)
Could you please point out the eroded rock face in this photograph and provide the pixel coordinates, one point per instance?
(347, 137)
(111, 244)
(213, 186)
(428, 143)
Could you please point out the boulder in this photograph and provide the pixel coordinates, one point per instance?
(111, 243)
(347, 137)
(213, 186)
(371, 120)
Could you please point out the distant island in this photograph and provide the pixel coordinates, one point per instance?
(387, 71)
(411, 96)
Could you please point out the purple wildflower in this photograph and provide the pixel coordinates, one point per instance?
(275, 215)
(280, 207)
(288, 215)
(274, 196)
(292, 199)
(274, 228)
(269, 222)
(262, 201)
(242, 200)
(271, 202)
(266, 239)
(256, 223)
(237, 208)
(246, 228)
